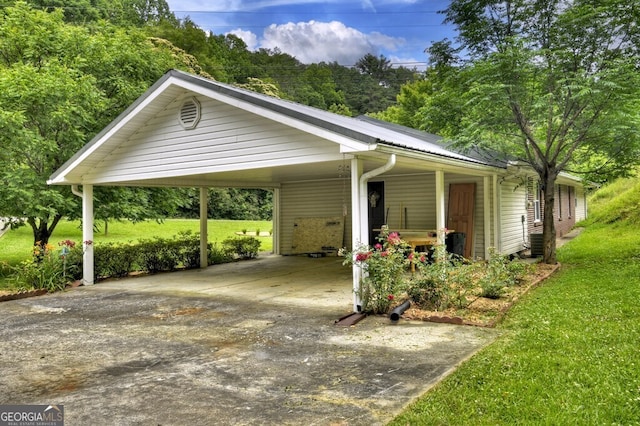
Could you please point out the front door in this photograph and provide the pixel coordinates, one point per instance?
(375, 202)
(461, 211)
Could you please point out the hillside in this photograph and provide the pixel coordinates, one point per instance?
(616, 202)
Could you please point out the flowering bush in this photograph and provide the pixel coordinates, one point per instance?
(446, 281)
(47, 269)
(383, 267)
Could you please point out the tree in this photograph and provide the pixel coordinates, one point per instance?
(59, 85)
(551, 84)
(119, 12)
(377, 67)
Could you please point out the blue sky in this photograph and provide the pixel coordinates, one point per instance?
(331, 30)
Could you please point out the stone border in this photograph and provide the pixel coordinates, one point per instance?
(22, 295)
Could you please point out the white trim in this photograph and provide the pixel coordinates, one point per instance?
(204, 234)
(88, 270)
(441, 220)
(276, 217)
(497, 234)
(486, 182)
(356, 239)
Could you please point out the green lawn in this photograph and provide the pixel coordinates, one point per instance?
(569, 353)
(15, 245)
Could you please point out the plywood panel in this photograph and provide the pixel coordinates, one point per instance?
(317, 234)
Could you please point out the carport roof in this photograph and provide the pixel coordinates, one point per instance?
(365, 134)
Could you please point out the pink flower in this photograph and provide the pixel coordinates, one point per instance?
(390, 297)
(67, 243)
(378, 246)
(361, 257)
(423, 258)
(411, 256)
(394, 239)
(384, 253)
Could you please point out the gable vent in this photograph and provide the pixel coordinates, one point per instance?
(189, 114)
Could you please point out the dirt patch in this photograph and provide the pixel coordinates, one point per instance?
(484, 312)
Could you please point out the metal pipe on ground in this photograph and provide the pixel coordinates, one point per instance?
(399, 310)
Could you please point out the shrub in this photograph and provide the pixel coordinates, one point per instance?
(243, 247)
(499, 272)
(157, 255)
(114, 260)
(440, 284)
(218, 255)
(48, 268)
(383, 268)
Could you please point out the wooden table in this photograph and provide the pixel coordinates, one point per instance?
(419, 238)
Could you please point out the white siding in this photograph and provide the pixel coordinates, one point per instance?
(313, 199)
(226, 138)
(513, 207)
(409, 200)
(580, 203)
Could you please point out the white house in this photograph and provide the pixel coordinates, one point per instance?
(335, 179)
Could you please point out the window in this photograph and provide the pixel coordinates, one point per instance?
(569, 203)
(537, 217)
(560, 202)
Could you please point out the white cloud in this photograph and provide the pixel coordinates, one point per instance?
(250, 39)
(312, 42)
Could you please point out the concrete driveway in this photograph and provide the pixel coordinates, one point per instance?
(246, 343)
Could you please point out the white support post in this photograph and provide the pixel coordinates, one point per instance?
(204, 234)
(441, 221)
(356, 238)
(497, 233)
(486, 182)
(87, 235)
(275, 217)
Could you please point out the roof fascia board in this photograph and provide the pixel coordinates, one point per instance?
(192, 183)
(440, 162)
(563, 177)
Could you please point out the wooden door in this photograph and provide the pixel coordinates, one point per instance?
(461, 212)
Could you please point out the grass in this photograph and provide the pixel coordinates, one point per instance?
(569, 351)
(616, 202)
(15, 245)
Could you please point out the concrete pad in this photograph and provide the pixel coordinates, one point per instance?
(246, 343)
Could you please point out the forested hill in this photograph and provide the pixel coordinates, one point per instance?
(371, 85)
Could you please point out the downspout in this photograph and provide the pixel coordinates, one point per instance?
(75, 191)
(362, 236)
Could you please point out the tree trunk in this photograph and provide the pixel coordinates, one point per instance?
(42, 230)
(548, 225)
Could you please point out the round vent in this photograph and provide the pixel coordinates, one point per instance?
(189, 114)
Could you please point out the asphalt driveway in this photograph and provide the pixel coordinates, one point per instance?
(222, 346)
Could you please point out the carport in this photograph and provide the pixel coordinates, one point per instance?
(188, 131)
